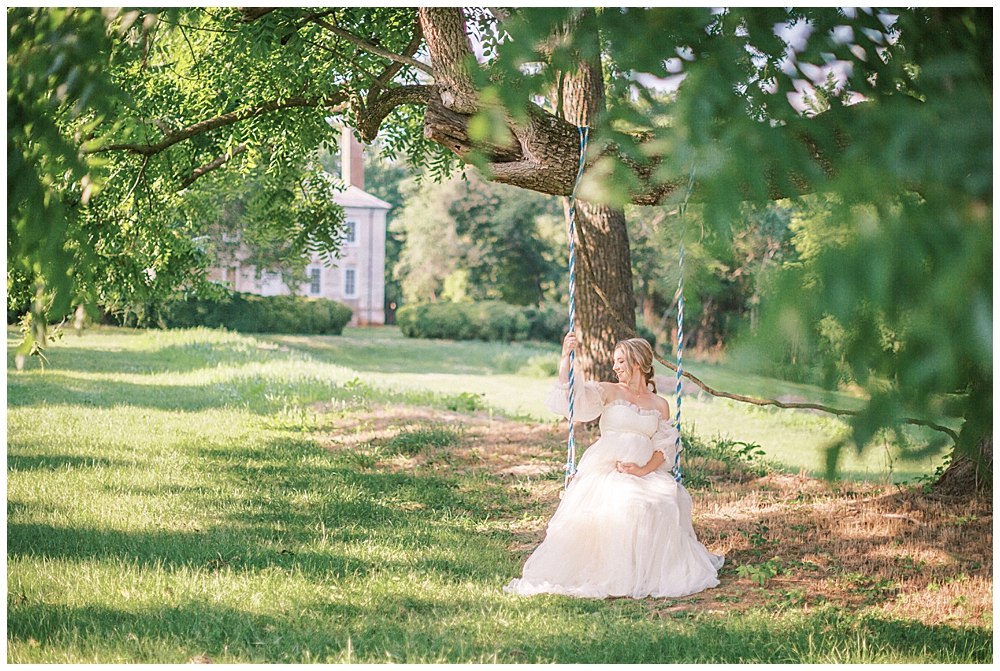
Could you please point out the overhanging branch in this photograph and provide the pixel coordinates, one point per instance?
(251, 14)
(370, 118)
(383, 79)
(224, 120)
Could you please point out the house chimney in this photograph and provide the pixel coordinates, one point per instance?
(352, 169)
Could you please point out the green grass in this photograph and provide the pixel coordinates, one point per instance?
(169, 495)
(508, 377)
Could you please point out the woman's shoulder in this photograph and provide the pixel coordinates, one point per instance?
(662, 406)
(609, 391)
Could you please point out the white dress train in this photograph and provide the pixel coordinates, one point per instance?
(615, 534)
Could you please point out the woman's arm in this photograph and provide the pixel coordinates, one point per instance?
(569, 344)
(634, 469)
(589, 396)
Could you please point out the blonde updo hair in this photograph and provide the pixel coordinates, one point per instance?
(638, 351)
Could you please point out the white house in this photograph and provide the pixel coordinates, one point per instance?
(357, 278)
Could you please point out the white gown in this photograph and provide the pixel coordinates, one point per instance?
(616, 534)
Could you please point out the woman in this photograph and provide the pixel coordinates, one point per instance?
(623, 527)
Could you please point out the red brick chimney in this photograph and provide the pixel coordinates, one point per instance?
(352, 169)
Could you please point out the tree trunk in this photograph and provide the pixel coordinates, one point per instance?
(448, 44)
(604, 262)
(968, 474)
(543, 156)
(971, 468)
(603, 258)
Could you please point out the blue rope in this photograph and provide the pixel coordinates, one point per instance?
(571, 234)
(678, 476)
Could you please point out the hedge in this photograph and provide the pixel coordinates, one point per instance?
(488, 320)
(484, 320)
(247, 313)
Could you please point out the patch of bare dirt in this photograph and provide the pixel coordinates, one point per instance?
(883, 547)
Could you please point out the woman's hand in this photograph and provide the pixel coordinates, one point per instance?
(569, 344)
(629, 468)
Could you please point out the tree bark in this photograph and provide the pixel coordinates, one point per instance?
(602, 237)
(967, 474)
(971, 468)
(449, 46)
(604, 262)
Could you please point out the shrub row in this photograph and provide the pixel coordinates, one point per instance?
(247, 313)
(489, 320)
(485, 320)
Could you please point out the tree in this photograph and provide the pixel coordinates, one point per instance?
(467, 238)
(891, 113)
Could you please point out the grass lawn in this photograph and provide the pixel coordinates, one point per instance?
(203, 495)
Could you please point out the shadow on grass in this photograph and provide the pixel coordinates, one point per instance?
(211, 551)
(398, 628)
(57, 389)
(53, 462)
(259, 393)
(758, 637)
(183, 358)
(293, 506)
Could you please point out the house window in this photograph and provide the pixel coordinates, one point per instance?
(314, 281)
(351, 232)
(350, 282)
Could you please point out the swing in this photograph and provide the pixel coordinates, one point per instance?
(571, 235)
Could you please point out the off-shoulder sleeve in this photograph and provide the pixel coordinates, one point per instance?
(665, 441)
(587, 402)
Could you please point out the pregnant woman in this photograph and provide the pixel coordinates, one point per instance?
(623, 527)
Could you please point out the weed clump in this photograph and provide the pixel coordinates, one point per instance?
(414, 440)
(703, 460)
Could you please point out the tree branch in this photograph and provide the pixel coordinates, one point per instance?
(543, 159)
(450, 129)
(251, 14)
(371, 48)
(209, 167)
(383, 79)
(370, 118)
(224, 120)
(307, 19)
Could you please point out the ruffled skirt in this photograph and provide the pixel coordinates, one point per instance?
(619, 535)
